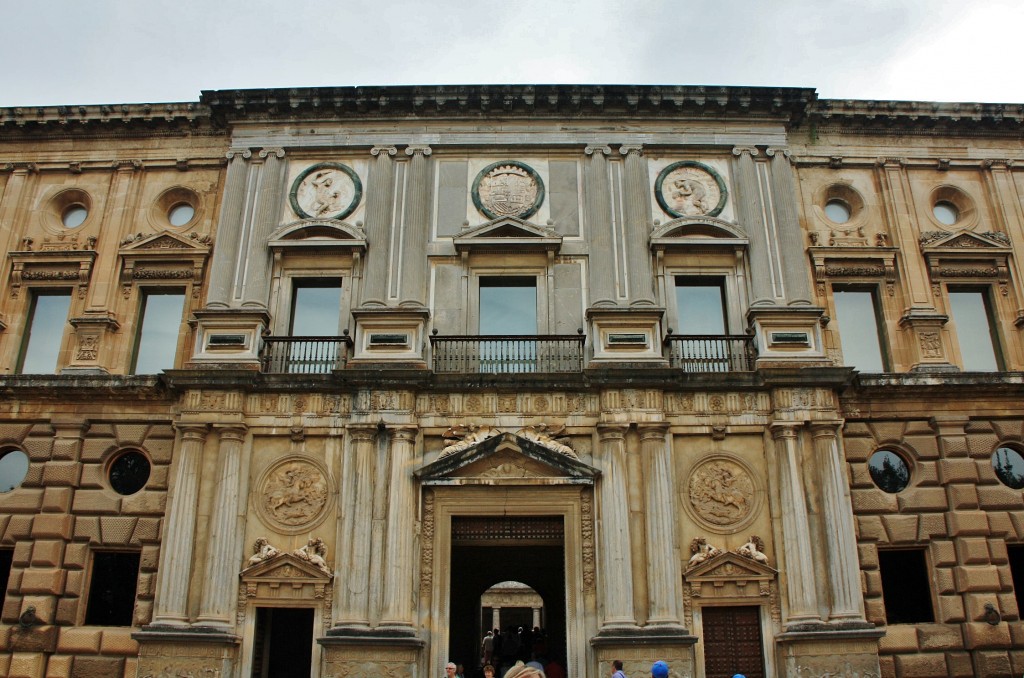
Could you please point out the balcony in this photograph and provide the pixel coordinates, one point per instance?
(509, 354)
(304, 355)
(711, 353)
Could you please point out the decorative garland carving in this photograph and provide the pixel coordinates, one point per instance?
(587, 539)
(427, 540)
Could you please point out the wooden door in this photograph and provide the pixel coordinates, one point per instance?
(732, 642)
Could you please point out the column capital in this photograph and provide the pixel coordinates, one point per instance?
(772, 150)
(891, 163)
(1000, 164)
(405, 433)
(231, 431)
(635, 149)
(243, 153)
(21, 168)
(745, 150)
(413, 149)
(376, 151)
(611, 431)
(190, 430)
(652, 429)
(267, 152)
(784, 429)
(825, 427)
(602, 150)
(362, 431)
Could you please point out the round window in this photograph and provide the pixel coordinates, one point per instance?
(181, 214)
(837, 211)
(129, 472)
(889, 471)
(1009, 466)
(946, 212)
(74, 216)
(13, 469)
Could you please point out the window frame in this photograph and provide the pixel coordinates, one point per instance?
(283, 298)
(33, 295)
(928, 581)
(991, 310)
(881, 329)
(540, 276)
(143, 292)
(733, 289)
(88, 589)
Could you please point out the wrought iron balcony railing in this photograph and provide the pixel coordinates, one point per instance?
(711, 353)
(304, 355)
(509, 354)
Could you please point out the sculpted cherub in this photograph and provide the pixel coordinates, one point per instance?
(262, 550)
(754, 549)
(461, 437)
(702, 551)
(314, 552)
(551, 438)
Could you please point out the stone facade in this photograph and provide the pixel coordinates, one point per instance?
(433, 339)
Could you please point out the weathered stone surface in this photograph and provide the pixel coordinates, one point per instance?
(995, 664)
(97, 667)
(980, 635)
(927, 665)
(939, 637)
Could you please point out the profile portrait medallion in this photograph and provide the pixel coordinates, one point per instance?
(328, 190)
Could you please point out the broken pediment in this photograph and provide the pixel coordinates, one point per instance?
(318, 234)
(698, 231)
(508, 233)
(506, 459)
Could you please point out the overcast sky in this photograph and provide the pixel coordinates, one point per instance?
(121, 51)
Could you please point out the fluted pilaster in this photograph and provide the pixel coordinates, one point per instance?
(795, 271)
(636, 204)
(664, 577)
(616, 562)
(379, 216)
(604, 274)
(398, 576)
(765, 280)
(264, 221)
(229, 229)
(417, 223)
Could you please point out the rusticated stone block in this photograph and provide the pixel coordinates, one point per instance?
(92, 477)
(67, 611)
(897, 639)
(47, 553)
(980, 635)
(158, 478)
(22, 556)
(149, 558)
(868, 556)
(977, 578)
(130, 435)
(5, 638)
(1007, 602)
(27, 665)
(992, 664)
(12, 608)
(928, 665)
(80, 640)
(5, 665)
(57, 499)
(96, 502)
(972, 551)
(61, 473)
(874, 611)
(967, 523)
(117, 530)
(118, 641)
(962, 497)
(922, 499)
(25, 500)
(975, 606)
(887, 665)
(900, 529)
(58, 666)
(1017, 519)
(930, 526)
(146, 584)
(34, 639)
(951, 609)
(860, 477)
(932, 637)
(994, 497)
(872, 582)
(960, 665)
(88, 528)
(147, 530)
(873, 501)
(131, 666)
(869, 528)
(1000, 525)
(93, 449)
(97, 667)
(40, 581)
(76, 555)
(74, 585)
(997, 551)
(143, 612)
(926, 474)
(943, 578)
(53, 525)
(1017, 660)
(145, 503)
(958, 471)
(981, 443)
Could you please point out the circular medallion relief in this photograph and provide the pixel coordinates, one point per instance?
(690, 189)
(328, 190)
(508, 189)
(722, 494)
(292, 495)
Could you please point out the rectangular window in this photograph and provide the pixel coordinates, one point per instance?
(316, 307)
(1016, 556)
(156, 348)
(857, 315)
(701, 305)
(972, 314)
(115, 579)
(905, 588)
(6, 561)
(47, 319)
(508, 305)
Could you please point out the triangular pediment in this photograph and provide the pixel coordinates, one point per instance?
(507, 459)
(960, 241)
(696, 231)
(284, 567)
(507, 232)
(318, 233)
(729, 566)
(165, 240)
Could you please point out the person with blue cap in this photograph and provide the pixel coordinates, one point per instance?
(659, 669)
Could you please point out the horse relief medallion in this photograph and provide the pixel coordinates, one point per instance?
(293, 494)
(722, 493)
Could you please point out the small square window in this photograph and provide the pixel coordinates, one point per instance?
(115, 580)
(905, 587)
(44, 331)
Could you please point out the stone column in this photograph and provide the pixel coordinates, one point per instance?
(843, 568)
(265, 218)
(802, 599)
(536, 617)
(171, 605)
(229, 229)
(616, 561)
(795, 271)
(636, 202)
(764, 275)
(417, 223)
(353, 564)
(216, 607)
(379, 216)
(398, 575)
(603, 271)
(664, 578)
(495, 617)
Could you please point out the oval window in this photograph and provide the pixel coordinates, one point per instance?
(946, 213)
(889, 471)
(1009, 466)
(13, 469)
(837, 211)
(129, 472)
(181, 214)
(74, 216)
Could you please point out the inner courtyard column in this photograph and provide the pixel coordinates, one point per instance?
(354, 530)
(664, 579)
(398, 552)
(616, 562)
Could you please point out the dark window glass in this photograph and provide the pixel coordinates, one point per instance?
(1016, 556)
(129, 472)
(159, 326)
(857, 315)
(701, 305)
(6, 560)
(973, 318)
(508, 305)
(905, 588)
(47, 317)
(316, 307)
(1009, 466)
(13, 469)
(889, 471)
(115, 578)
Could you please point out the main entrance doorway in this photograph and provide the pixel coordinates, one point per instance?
(489, 550)
(732, 642)
(283, 643)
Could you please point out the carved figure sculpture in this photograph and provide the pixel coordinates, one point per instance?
(753, 549)
(721, 492)
(543, 434)
(295, 493)
(262, 550)
(314, 552)
(461, 437)
(689, 197)
(702, 551)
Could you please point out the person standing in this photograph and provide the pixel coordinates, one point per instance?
(487, 648)
(659, 669)
(449, 670)
(617, 669)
